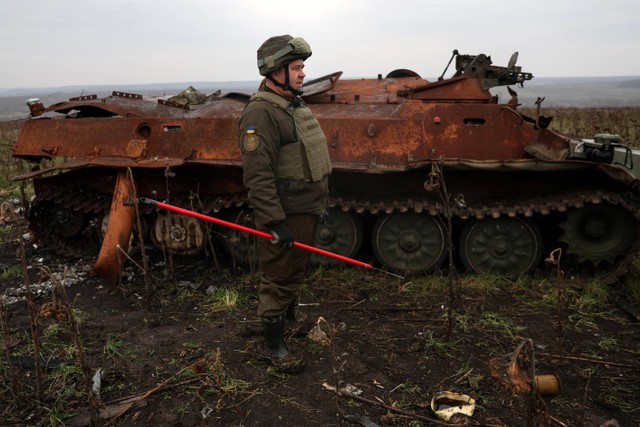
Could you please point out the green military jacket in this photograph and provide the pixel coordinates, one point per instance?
(285, 159)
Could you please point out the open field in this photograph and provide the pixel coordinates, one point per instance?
(588, 122)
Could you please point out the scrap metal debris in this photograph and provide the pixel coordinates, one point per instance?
(447, 405)
(511, 375)
(189, 96)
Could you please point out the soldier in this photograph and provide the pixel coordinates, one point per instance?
(286, 172)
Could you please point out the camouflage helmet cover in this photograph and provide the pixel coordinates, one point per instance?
(278, 51)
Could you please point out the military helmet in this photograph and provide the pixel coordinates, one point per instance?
(278, 51)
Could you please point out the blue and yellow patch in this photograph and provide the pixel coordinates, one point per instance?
(250, 141)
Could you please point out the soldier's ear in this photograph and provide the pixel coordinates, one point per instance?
(277, 73)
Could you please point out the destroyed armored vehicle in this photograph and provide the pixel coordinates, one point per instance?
(412, 159)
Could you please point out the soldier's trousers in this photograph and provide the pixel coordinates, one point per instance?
(283, 269)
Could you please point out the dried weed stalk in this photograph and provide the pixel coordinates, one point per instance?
(4, 324)
(436, 182)
(33, 314)
(62, 309)
(148, 280)
(561, 293)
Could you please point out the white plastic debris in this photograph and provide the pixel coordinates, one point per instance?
(97, 383)
(206, 411)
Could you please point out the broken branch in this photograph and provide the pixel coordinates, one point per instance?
(584, 359)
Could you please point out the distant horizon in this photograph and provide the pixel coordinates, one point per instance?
(18, 91)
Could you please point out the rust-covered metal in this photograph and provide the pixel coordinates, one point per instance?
(517, 189)
(116, 238)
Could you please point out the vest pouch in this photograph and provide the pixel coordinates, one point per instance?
(290, 169)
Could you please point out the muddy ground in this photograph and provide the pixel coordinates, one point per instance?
(181, 347)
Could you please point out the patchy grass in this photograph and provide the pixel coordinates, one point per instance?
(223, 299)
(11, 272)
(387, 340)
(9, 168)
(501, 323)
(112, 347)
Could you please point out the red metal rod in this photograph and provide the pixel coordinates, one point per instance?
(251, 231)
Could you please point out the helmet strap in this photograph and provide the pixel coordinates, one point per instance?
(287, 84)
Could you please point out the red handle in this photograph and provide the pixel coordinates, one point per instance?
(251, 231)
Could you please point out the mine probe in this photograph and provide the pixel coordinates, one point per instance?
(261, 234)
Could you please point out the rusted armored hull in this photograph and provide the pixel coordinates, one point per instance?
(515, 188)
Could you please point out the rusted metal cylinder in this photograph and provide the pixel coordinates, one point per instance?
(548, 384)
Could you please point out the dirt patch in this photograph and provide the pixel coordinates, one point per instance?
(190, 353)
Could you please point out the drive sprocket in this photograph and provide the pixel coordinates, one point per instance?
(599, 232)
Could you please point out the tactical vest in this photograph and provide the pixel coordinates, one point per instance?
(308, 160)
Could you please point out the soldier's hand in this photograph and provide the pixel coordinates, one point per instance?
(281, 235)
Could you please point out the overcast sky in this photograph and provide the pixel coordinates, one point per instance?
(70, 42)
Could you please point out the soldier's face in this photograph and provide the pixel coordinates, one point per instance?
(296, 74)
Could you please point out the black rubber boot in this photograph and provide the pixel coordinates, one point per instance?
(273, 328)
(292, 311)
